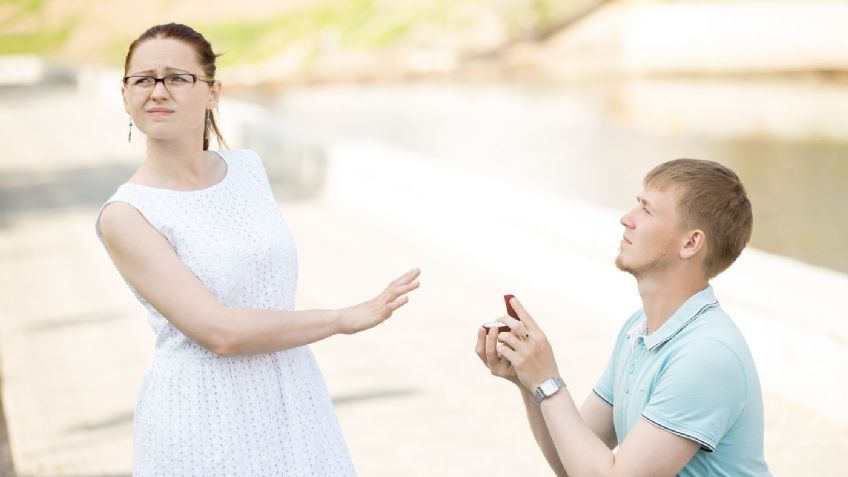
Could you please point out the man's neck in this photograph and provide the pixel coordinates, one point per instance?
(663, 295)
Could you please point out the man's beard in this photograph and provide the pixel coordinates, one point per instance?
(658, 263)
(619, 264)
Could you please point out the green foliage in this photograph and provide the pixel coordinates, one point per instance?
(20, 9)
(312, 28)
(44, 40)
(353, 24)
(41, 40)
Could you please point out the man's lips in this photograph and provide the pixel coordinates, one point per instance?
(625, 240)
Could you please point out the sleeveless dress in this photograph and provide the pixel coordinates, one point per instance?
(201, 414)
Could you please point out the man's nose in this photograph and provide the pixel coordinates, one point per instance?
(627, 220)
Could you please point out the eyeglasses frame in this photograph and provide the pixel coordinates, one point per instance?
(194, 77)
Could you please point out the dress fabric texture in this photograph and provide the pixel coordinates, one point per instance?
(201, 414)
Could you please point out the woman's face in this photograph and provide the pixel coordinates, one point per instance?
(176, 110)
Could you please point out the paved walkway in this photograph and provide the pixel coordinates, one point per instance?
(411, 396)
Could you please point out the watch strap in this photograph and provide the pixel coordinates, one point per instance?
(539, 395)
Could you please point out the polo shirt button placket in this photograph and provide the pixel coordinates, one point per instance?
(630, 368)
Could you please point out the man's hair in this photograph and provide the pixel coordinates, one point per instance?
(711, 198)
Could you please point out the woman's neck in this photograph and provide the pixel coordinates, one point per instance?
(178, 163)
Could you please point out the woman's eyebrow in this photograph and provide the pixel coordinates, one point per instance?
(151, 70)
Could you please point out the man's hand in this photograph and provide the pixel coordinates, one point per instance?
(526, 348)
(487, 351)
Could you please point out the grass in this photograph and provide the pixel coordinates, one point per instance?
(313, 28)
(40, 40)
(20, 9)
(356, 25)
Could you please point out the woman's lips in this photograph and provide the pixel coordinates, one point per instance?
(159, 111)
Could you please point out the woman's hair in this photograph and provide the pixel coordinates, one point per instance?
(205, 56)
(712, 198)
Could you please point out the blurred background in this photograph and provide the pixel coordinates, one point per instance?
(492, 143)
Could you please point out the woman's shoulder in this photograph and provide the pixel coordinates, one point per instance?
(240, 154)
(247, 158)
(117, 219)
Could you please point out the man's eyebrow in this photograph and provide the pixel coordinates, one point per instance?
(151, 70)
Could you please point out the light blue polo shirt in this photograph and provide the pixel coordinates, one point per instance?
(694, 377)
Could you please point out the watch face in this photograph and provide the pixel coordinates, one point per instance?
(548, 387)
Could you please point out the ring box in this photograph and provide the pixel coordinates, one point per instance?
(497, 324)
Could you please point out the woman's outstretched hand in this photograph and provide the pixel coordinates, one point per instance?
(371, 313)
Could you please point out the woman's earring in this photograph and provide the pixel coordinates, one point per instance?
(129, 136)
(208, 124)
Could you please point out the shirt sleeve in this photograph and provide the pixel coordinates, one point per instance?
(699, 394)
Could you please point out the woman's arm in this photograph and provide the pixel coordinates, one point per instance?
(146, 260)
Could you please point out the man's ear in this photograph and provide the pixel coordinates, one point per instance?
(694, 241)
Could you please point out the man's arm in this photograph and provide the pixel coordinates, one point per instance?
(595, 413)
(646, 451)
(540, 433)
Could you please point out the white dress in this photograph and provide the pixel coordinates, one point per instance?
(200, 414)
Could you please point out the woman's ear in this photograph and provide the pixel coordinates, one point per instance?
(214, 95)
(694, 241)
(124, 99)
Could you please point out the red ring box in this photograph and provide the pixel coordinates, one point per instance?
(509, 311)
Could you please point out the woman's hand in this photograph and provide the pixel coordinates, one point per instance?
(371, 313)
(526, 349)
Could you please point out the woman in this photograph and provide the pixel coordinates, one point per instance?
(198, 237)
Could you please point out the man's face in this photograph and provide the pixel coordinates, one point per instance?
(652, 233)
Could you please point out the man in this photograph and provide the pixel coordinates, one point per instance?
(680, 395)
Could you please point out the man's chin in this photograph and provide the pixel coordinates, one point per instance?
(619, 263)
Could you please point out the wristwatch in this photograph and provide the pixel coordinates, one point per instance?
(548, 388)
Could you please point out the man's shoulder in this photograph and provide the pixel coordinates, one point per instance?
(715, 327)
(712, 341)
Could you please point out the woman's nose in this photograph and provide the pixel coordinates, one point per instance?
(159, 90)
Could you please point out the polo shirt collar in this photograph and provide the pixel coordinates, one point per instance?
(686, 314)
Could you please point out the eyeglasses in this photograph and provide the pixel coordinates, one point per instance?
(175, 82)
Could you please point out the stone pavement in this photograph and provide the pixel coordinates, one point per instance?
(411, 396)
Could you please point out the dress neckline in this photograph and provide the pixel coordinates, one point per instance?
(216, 185)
